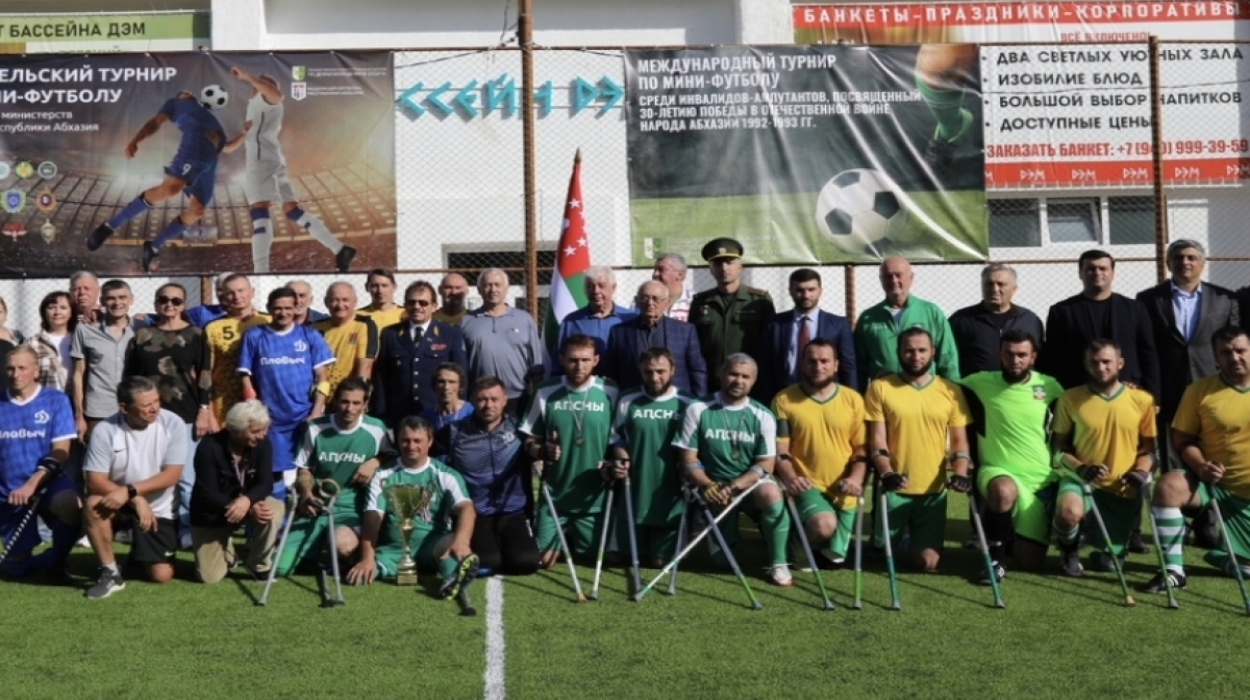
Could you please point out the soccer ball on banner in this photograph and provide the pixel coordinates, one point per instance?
(214, 97)
(858, 209)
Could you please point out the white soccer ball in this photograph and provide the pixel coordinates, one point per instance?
(214, 97)
(859, 208)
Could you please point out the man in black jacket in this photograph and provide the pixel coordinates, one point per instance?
(979, 328)
(233, 481)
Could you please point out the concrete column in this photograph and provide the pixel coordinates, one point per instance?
(764, 21)
(239, 25)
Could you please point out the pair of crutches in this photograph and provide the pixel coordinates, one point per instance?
(631, 526)
(331, 489)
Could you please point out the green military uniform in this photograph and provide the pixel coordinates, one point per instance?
(729, 323)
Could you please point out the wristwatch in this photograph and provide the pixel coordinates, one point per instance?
(131, 492)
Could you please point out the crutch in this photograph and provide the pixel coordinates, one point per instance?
(807, 548)
(603, 541)
(633, 537)
(331, 488)
(884, 521)
(985, 548)
(564, 543)
(277, 559)
(31, 508)
(681, 542)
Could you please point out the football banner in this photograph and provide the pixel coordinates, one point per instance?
(816, 154)
(196, 163)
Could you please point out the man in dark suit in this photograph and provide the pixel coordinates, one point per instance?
(1097, 312)
(789, 331)
(409, 354)
(651, 329)
(979, 328)
(1185, 313)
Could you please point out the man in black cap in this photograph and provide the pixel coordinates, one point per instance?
(730, 318)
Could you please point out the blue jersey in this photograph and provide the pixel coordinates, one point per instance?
(282, 367)
(204, 314)
(27, 431)
(196, 122)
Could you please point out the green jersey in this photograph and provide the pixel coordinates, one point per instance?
(728, 439)
(645, 428)
(581, 418)
(331, 452)
(448, 491)
(1013, 426)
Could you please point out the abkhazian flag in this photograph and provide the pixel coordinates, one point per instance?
(568, 293)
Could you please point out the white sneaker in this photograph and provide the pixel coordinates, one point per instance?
(780, 574)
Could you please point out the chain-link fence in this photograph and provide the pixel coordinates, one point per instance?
(461, 187)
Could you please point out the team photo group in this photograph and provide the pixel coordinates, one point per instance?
(385, 439)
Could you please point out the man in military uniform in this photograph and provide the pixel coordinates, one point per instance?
(730, 318)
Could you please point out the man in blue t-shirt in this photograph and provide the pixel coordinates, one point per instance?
(286, 366)
(192, 171)
(36, 427)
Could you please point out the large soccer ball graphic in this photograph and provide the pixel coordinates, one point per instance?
(214, 97)
(858, 209)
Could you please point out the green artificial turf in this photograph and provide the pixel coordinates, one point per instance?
(1058, 637)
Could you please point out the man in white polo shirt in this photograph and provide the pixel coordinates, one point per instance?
(134, 459)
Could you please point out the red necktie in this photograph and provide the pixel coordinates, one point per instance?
(805, 337)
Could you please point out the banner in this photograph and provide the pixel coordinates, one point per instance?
(807, 154)
(1076, 113)
(105, 159)
(107, 32)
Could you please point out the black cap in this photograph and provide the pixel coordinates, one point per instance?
(722, 248)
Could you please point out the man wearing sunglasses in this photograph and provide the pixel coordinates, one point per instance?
(409, 354)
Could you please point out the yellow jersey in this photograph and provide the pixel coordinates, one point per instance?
(821, 436)
(449, 319)
(225, 339)
(917, 419)
(1219, 415)
(1106, 430)
(382, 319)
(355, 340)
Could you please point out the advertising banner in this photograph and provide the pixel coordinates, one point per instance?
(807, 154)
(196, 163)
(105, 32)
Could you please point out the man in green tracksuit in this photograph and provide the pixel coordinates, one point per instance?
(877, 330)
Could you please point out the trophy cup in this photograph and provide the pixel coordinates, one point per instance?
(407, 501)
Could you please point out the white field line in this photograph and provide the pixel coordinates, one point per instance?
(494, 674)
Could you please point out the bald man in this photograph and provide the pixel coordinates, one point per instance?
(878, 328)
(304, 313)
(352, 338)
(453, 289)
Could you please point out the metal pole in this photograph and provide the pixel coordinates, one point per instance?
(525, 36)
(206, 290)
(848, 275)
(1156, 140)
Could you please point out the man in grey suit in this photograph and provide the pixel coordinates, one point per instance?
(1185, 312)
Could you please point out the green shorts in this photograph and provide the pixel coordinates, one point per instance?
(923, 517)
(1117, 513)
(307, 538)
(1030, 517)
(812, 503)
(1236, 513)
(424, 547)
(580, 529)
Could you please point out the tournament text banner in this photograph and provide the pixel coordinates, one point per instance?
(105, 32)
(807, 154)
(194, 153)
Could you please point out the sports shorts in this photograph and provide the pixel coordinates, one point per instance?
(923, 517)
(1117, 513)
(268, 182)
(812, 503)
(199, 175)
(1236, 513)
(580, 529)
(157, 547)
(1035, 497)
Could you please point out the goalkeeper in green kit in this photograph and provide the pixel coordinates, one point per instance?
(727, 443)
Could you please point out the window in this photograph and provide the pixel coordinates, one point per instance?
(1131, 220)
(1073, 220)
(1015, 223)
(511, 261)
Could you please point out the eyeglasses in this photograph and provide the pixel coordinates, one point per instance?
(176, 301)
(418, 302)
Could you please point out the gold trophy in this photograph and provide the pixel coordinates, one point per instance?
(407, 501)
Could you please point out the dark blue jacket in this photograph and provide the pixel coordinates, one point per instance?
(404, 370)
(628, 340)
(779, 337)
(492, 464)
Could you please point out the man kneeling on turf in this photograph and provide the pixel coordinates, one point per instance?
(820, 450)
(1210, 435)
(346, 447)
(134, 459)
(435, 544)
(233, 480)
(727, 443)
(1104, 432)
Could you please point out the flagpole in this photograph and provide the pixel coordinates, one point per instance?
(525, 36)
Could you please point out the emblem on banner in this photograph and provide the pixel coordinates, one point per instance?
(48, 232)
(14, 230)
(299, 91)
(14, 201)
(45, 201)
(5, 169)
(23, 170)
(47, 170)
(299, 73)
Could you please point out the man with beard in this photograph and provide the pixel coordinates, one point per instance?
(1011, 407)
(647, 420)
(820, 449)
(1105, 433)
(727, 443)
(910, 415)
